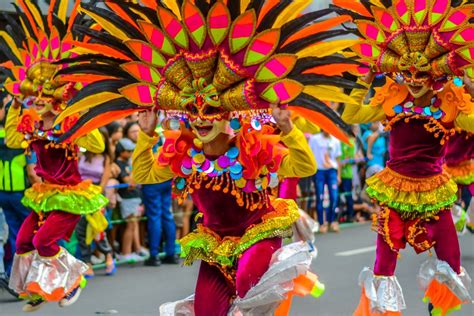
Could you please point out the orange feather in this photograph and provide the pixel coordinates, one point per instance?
(353, 5)
(73, 15)
(89, 78)
(331, 70)
(99, 48)
(29, 16)
(323, 122)
(117, 9)
(318, 28)
(150, 3)
(99, 121)
(266, 7)
(50, 14)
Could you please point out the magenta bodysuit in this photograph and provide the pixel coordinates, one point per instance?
(53, 166)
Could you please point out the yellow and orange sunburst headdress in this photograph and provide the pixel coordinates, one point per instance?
(33, 46)
(202, 57)
(419, 39)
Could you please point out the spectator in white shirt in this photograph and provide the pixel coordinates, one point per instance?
(326, 150)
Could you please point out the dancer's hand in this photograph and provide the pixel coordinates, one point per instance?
(16, 103)
(147, 120)
(282, 118)
(469, 85)
(369, 77)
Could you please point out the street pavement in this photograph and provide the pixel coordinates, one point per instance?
(139, 290)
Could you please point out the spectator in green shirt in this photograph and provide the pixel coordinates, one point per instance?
(349, 158)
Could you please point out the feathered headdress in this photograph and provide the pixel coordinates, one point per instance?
(33, 45)
(419, 39)
(196, 57)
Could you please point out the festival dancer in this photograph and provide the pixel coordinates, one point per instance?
(423, 46)
(43, 271)
(215, 69)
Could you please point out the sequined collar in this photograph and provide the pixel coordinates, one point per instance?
(432, 110)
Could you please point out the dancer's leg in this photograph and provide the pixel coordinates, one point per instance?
(213, 292)
(254, 263)
(24, 241)
(58, 225)
(443, 233)
(385, 258)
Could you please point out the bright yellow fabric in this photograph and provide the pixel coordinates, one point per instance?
(96, 223)
(13, 138)
(300, 160)
(145, 169)
(465, 122)
(93, 142)
(362, 113)
(298, 163)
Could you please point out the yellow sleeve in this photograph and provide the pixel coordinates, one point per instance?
(300, 161)
(93, 142)
(362, 113)
(144, 168)
(465, 121)
(13, 138)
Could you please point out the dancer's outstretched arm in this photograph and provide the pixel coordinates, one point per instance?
(362, 113)
(13, 138)
(145, 170)
(299, 162)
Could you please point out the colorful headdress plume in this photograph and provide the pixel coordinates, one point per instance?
(421, 39)
(238, 56)
(33, 45)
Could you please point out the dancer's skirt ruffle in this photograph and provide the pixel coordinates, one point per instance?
(412, 197)
(81, 199)
(204, 244)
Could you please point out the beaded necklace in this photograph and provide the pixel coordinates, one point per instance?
(432, 110)
(225, 173)
(51, 135)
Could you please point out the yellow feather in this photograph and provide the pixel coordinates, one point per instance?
(109, 27)
(143, 16)
(377, 3)
(326, 48)
(36, 14)
(291, 12)
(62, 10)
(86, 104)
(174, 7)
(11, 43)
(243, 5)
(305, 125)
(328, 93)
(25, 29)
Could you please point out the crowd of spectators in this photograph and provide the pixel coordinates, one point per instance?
(145, 220)
(336, 193)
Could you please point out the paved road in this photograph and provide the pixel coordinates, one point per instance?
(138, 290)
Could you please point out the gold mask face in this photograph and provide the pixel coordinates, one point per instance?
(42, 105)
(207, 130)
(45, 92)
(418, 90)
